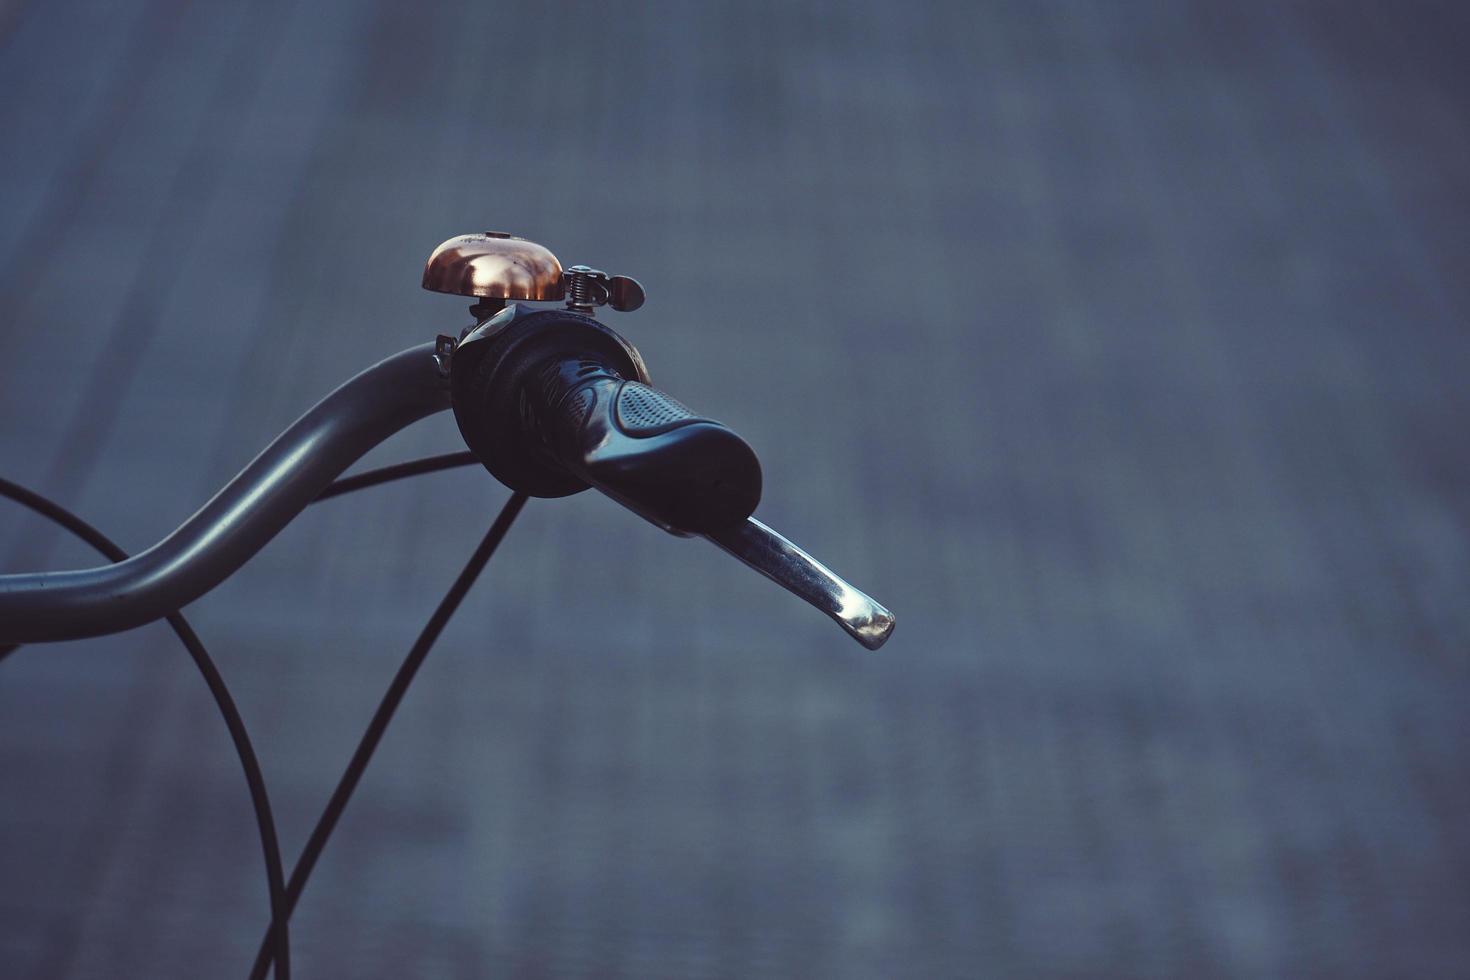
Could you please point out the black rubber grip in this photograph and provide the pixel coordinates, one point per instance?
(682, 471)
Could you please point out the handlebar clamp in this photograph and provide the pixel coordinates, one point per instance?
(495, 369)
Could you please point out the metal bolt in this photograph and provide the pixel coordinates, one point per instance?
(584, 288)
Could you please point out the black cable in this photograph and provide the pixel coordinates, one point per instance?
(58, 514)
(275, 946)
(327, 822)
(398, 471)
(279, 938)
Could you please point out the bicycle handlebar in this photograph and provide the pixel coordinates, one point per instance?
(553, 405)
(550, 402)
(238, 521)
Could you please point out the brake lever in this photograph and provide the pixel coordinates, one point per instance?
(592, 416)
(781, 561)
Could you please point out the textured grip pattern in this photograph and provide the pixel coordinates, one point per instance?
(574, 410)
(682, 471)
(644, 411)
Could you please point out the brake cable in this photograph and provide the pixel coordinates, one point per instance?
(264, 820)
(276, 944)
(363, 754)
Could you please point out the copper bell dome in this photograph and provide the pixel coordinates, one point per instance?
(496, 265)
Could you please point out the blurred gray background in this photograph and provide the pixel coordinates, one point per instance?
(1120, 348)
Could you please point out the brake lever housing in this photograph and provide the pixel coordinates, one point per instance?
(498, 362)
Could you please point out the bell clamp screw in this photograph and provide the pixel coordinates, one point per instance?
(587, 287)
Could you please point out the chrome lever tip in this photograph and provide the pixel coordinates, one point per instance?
(871, 626)
(781, 561)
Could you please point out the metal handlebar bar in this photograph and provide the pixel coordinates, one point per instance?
(550, 401)
(251, 509)
(238, 521)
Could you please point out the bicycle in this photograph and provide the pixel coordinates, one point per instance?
(549, 400)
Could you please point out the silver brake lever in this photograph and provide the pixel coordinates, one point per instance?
(802, 575)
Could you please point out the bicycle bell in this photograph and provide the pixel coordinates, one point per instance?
(496, 266)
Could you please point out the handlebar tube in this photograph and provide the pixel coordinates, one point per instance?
(694, 456)
(238, 521)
